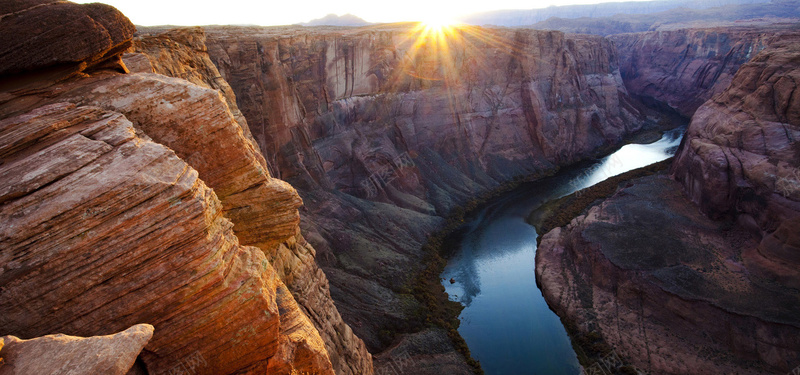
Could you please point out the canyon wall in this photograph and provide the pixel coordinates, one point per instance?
(741, 157)
(673, 289)
(683, 68)
(138, 198)
(385, 130)
(182, 53)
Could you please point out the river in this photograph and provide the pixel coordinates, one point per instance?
(506, 322)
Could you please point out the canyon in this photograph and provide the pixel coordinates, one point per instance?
(697, 274)
(385, 131)
(262, 195)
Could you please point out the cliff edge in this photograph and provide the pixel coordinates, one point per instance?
(138, 198)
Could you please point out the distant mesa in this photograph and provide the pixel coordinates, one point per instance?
(335, 20)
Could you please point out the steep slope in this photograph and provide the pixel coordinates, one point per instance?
(385, 130)
(684, 68)
(741, 157)
(676, 290)
(161, 252)
(164, 246)
(181, 53)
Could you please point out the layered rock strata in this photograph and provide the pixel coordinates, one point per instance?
(385, 130)
(94, 162)
(181, 53)
(98, 33)
(741, 157)
(161, 251)
(678, 290)
(683, 68)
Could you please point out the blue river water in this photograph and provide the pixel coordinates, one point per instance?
(506, 322)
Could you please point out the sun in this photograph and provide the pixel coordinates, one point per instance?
(438, 22)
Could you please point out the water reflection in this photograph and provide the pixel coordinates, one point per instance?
(506, 323)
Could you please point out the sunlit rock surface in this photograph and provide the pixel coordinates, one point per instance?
(126, 199)
(70, 355)
(104, 229)
(31, 56)
(181, 53)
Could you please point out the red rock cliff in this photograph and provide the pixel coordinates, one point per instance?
(741, 156)
(127, 198)
(181, 53)
(385, 130)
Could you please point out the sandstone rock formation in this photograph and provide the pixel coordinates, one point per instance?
(108, 177)
(161, 251)
(38, 52)
(678, 290)
(684, 68)
(385, 130)
(669, 290)
(180, 53)
(70, 355)
(741, 154)
(741, 157)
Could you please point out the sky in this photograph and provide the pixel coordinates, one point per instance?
(287, 12)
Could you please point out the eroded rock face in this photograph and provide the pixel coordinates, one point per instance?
(716, 288)
(307, 94)
(182, 116)
(70, 355)
(181, 53)
(88, 170)
(684, 68)
(667, 288)
(741, 157)
(385, 130)
(88, 196)
(36, 49)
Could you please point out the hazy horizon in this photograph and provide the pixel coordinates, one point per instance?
(249, 12)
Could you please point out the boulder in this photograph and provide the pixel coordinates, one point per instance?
(53, 40)
(70, 355)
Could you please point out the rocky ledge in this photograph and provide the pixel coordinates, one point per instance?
(69, 355)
